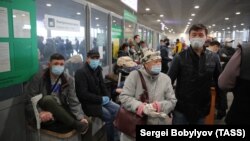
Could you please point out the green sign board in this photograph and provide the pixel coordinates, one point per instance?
(129, 16)
(18, 43)
(116, 31)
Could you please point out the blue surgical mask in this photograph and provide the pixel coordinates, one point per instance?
(155, 69)
(57, 70)
(94, 63)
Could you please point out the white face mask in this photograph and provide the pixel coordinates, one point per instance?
(197, 42)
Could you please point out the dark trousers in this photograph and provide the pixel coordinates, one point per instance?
(64, 120)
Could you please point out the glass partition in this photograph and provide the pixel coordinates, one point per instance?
(60, 29)
(98, 34)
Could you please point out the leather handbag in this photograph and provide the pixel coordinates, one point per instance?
(126, 121)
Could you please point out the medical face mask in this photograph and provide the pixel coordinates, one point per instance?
(197, 42)
(57, 70)
(155, 69)
(94, 63)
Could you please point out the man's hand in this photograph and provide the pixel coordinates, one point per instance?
(46, 116)
(83, 120)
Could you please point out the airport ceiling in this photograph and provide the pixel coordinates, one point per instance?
(217, 15)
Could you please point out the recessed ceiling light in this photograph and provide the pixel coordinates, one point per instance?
(242, 24)
(78, 13)
(196, 6)
(161, 15)
(228, 27)
(223, 29)
(193, 14)
(97, 25)
(213, 25)
(14, 16)
(189, 22)
(96, 18)
(190, 19)
(48, 5)
(147, 9)
(226, 18)
(158, 20)
(234, 26)
(114, 21)
(229, 31)
(209, 26)
(237, 13)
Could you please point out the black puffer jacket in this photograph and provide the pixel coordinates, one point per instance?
(194, 75)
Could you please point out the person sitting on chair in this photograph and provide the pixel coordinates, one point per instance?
(92, 93)
(59, 108)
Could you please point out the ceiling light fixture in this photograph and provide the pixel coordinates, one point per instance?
(193, 14)
(96, 18)
(161, 15)
(234, 26)
(242, 24)
(213, 25)
(48, 5)
(197, 7)
(237, 13)
(147, 9)
(158, 20)
(78, 13)
(226, 18)
(190, 19)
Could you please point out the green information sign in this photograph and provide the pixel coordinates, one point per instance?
(18, 43)
(129, 16)
(116, 31)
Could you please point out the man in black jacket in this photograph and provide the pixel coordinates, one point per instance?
(92, 93)
(194, 70)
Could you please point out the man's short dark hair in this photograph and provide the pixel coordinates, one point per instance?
(136, 36)
(214, 43)
(197, 27)
(56, 56)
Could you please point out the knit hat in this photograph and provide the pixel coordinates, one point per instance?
(150, 55)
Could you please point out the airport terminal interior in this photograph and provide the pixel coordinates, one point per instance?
(119, 34)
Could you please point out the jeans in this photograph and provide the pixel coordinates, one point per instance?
(180, 119)
(109, 112)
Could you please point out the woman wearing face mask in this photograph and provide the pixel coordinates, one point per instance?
(160, 92)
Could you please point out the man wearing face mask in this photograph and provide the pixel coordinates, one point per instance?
(93, 94)
(160, 92)
(194, 70)
(59, 108)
